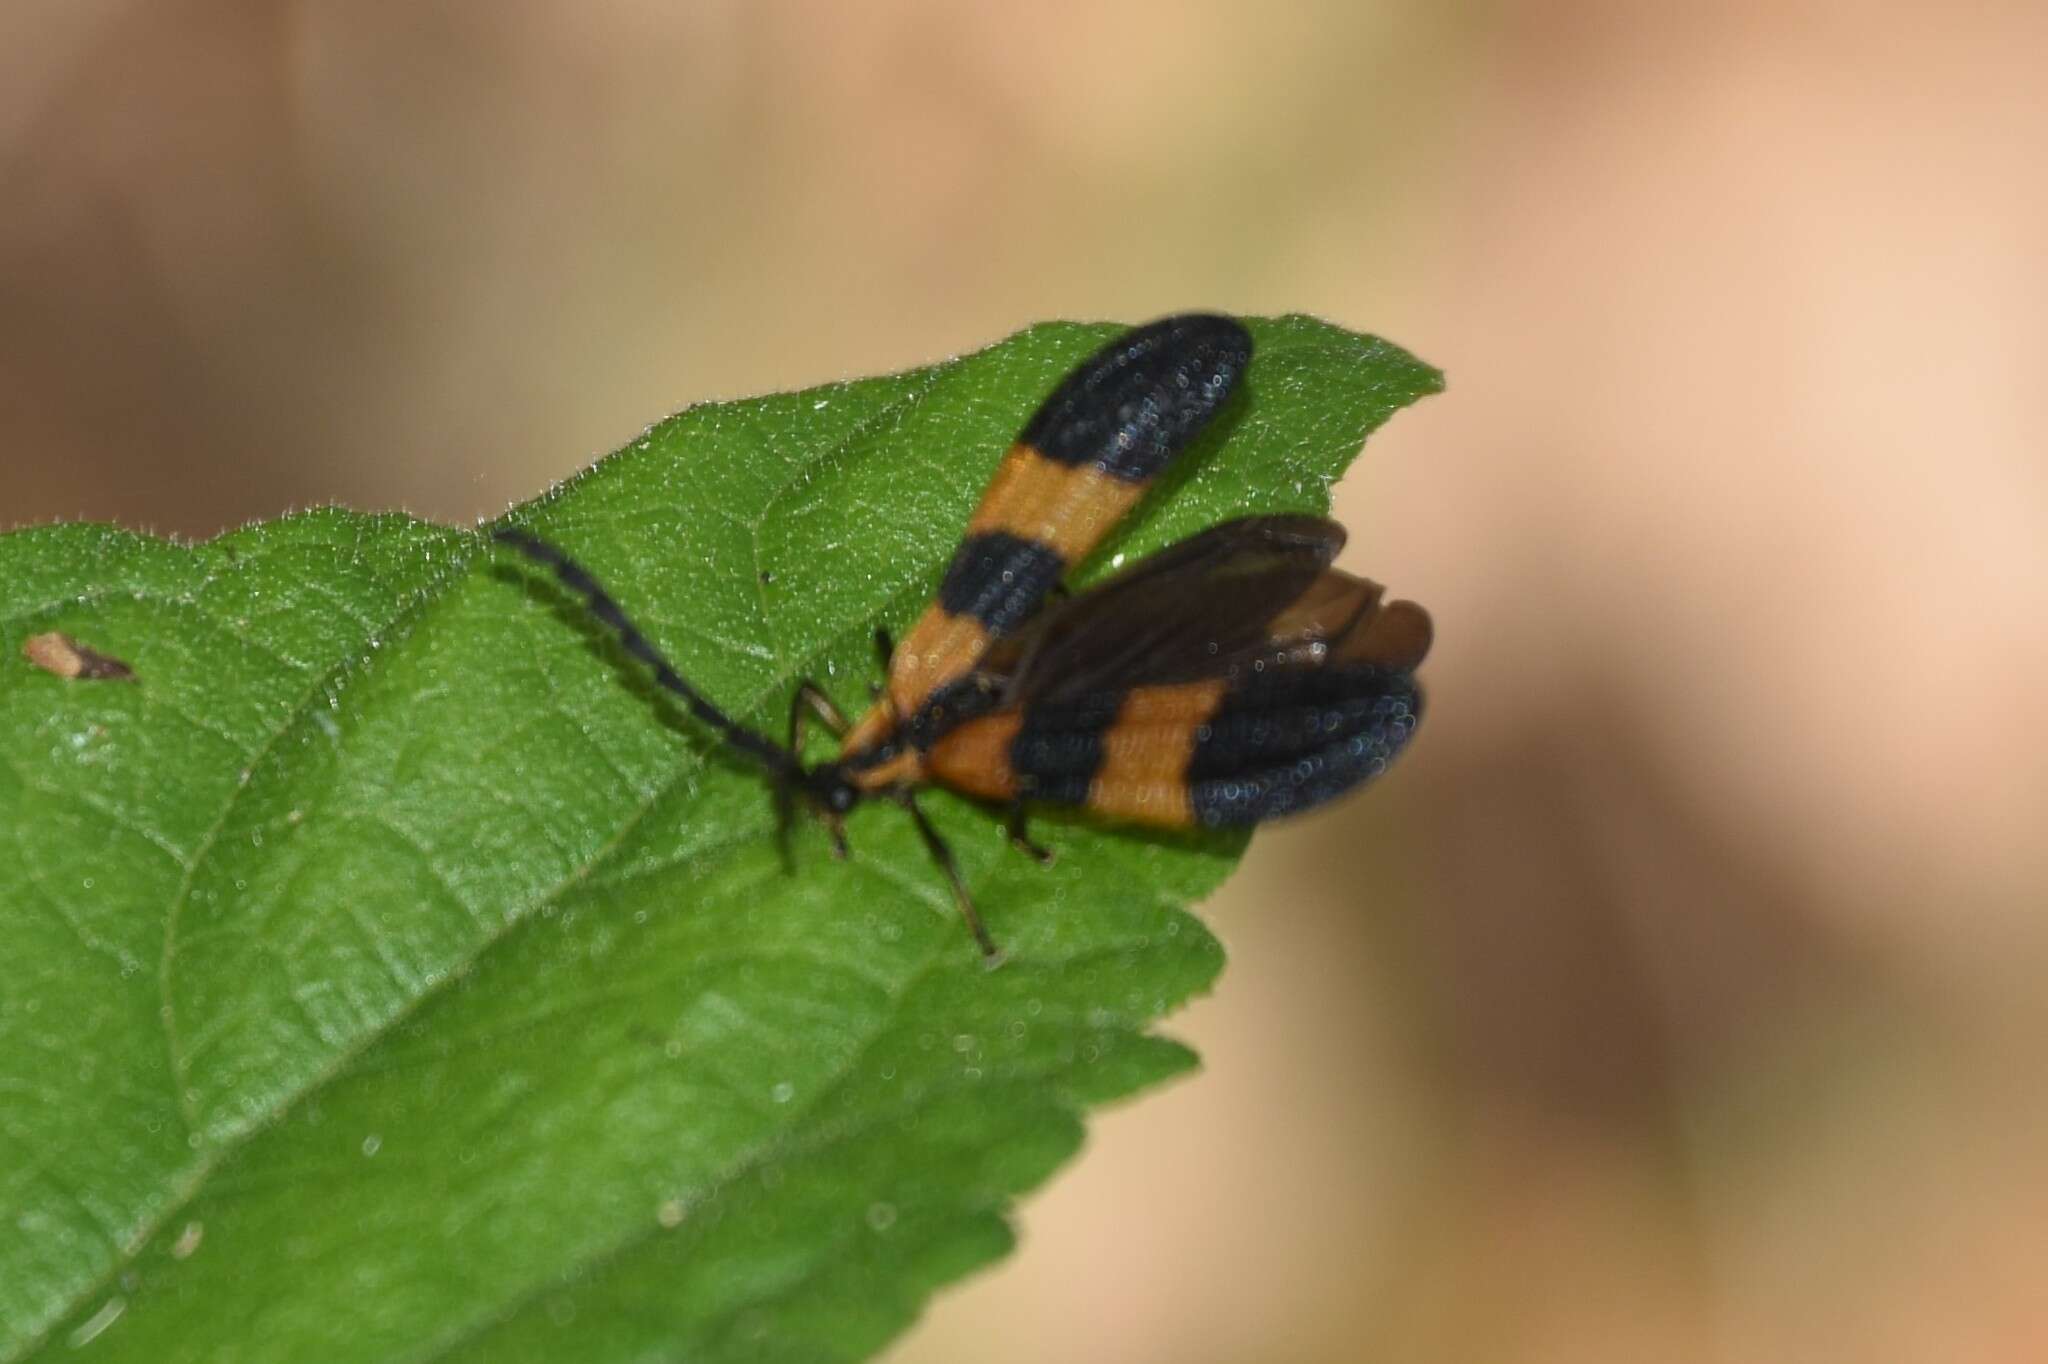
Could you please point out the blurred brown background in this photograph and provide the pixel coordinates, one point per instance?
(1679, 998)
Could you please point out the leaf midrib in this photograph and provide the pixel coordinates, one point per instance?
(189, 1182)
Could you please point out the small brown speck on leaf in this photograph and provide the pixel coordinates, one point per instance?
(59, 653)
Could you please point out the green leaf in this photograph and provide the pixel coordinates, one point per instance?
(391, 974)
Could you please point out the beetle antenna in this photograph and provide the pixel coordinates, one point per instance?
(780, 763)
